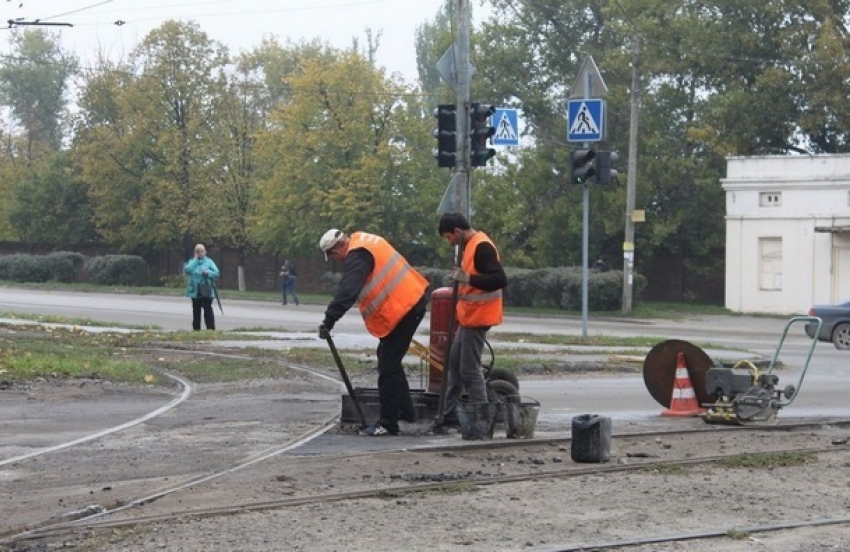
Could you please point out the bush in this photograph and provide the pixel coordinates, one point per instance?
(437, 277)
(25, 268)
(118, 270)
(175, 281)
(65, 265)
(329, 281)
(560, 288)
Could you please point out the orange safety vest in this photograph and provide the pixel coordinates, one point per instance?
(477, 308)
(391, 290)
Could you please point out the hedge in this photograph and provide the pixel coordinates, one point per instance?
(118, 270)
(60, 266)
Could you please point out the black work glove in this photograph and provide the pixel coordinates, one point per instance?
(324, 331)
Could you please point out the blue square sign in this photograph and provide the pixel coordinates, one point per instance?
(505, 121)
(584, 120)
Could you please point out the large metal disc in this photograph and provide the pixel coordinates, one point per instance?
(659, 370)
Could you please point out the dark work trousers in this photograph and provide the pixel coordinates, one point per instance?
(465, 371)
(204, 304)
(393, 389)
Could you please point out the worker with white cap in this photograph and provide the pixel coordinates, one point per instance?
(392, 298)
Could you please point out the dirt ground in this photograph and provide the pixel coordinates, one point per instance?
(225, 424)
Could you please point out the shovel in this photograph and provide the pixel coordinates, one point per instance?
(345, 379)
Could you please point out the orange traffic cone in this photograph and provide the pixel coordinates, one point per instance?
(684, 401)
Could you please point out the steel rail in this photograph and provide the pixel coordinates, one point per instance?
(63, 529)
(700, 535)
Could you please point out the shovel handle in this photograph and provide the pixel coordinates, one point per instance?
(347, 382)
(444, 383)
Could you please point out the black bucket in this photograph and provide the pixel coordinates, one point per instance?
(520, 418)
(591, 438)
(477, 420)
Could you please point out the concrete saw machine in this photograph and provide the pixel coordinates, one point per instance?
(741, 394)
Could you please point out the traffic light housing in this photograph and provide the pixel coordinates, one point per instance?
(446, 135)
(480, 132)
(605, 173)
(582, 165)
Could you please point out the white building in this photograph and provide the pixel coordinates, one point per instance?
(787, 232)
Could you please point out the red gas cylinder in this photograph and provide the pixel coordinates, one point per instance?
(441, 319)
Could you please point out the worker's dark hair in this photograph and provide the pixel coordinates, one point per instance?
(450, 221)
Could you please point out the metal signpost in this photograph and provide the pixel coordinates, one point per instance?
(585, 123)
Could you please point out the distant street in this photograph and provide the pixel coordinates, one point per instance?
(824, 392)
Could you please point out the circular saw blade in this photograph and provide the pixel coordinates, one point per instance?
(659, 370)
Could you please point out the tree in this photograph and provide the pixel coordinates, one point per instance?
(50, 206)
(349, 149)
(147, 146)
(33, 84)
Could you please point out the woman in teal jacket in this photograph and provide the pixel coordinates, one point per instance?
(201, 272)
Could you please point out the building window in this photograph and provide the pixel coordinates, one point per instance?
(770, 199)
(770, 264)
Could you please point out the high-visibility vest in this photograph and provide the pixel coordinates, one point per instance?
(391, 290)
(475, 307)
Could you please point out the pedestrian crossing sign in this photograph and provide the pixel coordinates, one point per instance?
(584, 120)
(507, 128)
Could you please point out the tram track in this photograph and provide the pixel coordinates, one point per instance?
(98, 521)
(467, 453)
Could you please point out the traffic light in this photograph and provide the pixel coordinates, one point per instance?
(480, 132)
(605, 173)
(446, 135)
(582, 165)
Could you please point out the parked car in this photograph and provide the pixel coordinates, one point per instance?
(836, 324)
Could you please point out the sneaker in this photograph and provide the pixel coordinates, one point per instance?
(377, 430)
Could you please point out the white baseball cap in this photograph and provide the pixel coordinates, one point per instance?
(329, 239)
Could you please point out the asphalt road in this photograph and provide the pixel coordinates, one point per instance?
(824, 387)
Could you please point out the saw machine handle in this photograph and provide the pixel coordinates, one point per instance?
(796, 319)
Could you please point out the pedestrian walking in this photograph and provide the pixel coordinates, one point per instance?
(287, 281)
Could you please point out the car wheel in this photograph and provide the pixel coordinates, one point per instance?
(841, 336)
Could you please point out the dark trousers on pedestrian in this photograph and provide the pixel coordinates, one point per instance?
(203, 304)
(464, 369)
(288, 288)
(393, 389)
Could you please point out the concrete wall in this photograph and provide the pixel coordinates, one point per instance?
(813, 192)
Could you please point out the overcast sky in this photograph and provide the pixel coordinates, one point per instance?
(240, 24)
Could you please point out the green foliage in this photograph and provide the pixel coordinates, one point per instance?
(50, 205)
(33, 83)
(174, 281)
(117, 270)
(177, 144)
(61, 266)
(329, 281)
(25, 268)
(147, 137)
(350, 149)
(560, 288)
(65, 265)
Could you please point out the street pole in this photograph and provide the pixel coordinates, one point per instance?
(585, 224)
(631, 186)
(462, 176)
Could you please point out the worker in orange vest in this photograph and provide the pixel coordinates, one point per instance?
(391, 296)
(481, 279)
